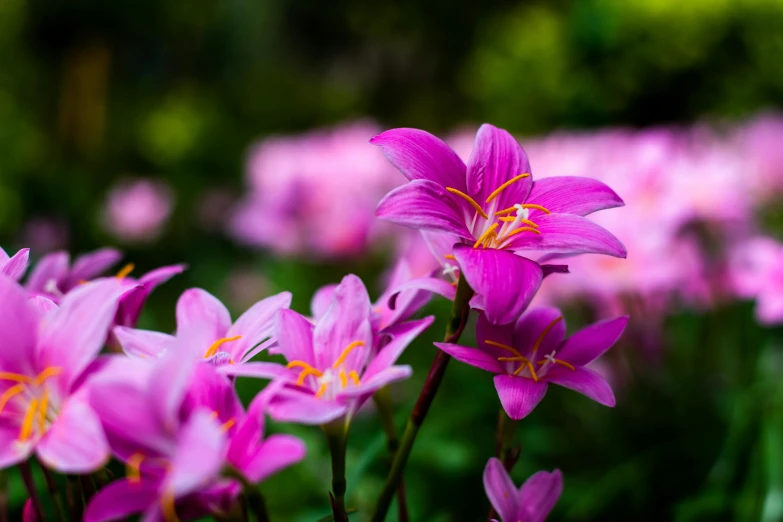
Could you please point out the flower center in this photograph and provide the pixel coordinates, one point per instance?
(522, 366)
(214, 347)
(33, 394)
(325, 380)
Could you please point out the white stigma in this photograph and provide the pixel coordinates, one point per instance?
(522, 212)
(51, 288)
(551, 357)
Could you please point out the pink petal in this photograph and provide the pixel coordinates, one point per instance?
(539, 494)
(120, 499)
(519, 395)
(504, 283)
(424, 205)
(91, 265)
(426, 284)
(11, 450)
(16, 265)
(304, 408)
(144, 344)
(499, 333)
(275, 453)
(18, 324)
(568, 234)
(42, 305)
(51, 267)
(346, 321)
(213, 391)
(377, 381)
(420, 155)
(75, 443)
(172, 375)
(321, 300)
(401, 336)
(256, 325)
(531, 326)
(256, 369)
(203, 316)
(585, 381)
(132, 303)
(497, 158)
(200, 453)
(472, 356)
(572, 195)
(294, 336)
(591, 342)
(501, 491)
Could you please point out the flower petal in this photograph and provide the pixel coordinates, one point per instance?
(143, 344)
(401, 335)
(321, 300)
(504, 282)
(420, 155)
(199, 456)
(585, 381)
(11, 450)
(539, 326)
(539, 494)
(15, 266)
(426, 284)
(294, 336)
(304, 408)
(18, 324)
(42, 305)
(591, 342)
(497, 158)
(75, 442)
(132, 303)
(501, 491)
(275, 453)
(472, 356)
(519, 395)
(203, 317)
(345, 322)
(121, 498)
(255, 325)
(51, 267)
(569, 235)
(497, 333)
(377, 381)
(172, 375)
(572, 195)
(256, 369)
(91, 265)
(424, 205)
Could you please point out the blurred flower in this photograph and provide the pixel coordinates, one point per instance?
(314, 194)
(53, 276)
(514, 216)
(756, 270)
(16, 265)
(530, 503)
(42, 365)
(44, 234)
(137, 210)
(521, 381)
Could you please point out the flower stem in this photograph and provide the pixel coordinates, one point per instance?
(3, 497)
(383, 402)
(459, 317)
(54, 492)
(505, 449)
(257, 504)
(29, 483)
(337, 439)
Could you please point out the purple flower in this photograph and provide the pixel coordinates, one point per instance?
(529, 354)
(53, 276)
(530, 503)
(14, 266)
(206, 323)
(494, 211)
(42, 365)
(136, 211)
(333, 366)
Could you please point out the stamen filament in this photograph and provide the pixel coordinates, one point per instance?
(15, 377)
(305, 373)
(49, 371)
(510, 219)
(505, 185)
(348, 349)
(486, 234)
(543, 334)
(10, 393)
(354, 377)
(511, 359)
(320, 391)
(227, 425)
(125, 271)
(508, 210)
(133, 467)
(343, 379)
(44, 404)
(470, 201)
(29, 418)
(503, 347)
(537, 207)
(520, 230)
(167, 506)
(214, 347)
(450, 256)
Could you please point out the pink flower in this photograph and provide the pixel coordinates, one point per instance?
(529, 354)
(756, 270)
(14, 266)
(137, 211)
(530, 503)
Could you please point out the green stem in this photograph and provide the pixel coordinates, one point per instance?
(257, 503)
(337, 439)
(457, 320)
(383, 402)
(54, 492)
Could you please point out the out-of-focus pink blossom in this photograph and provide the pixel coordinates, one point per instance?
(315, 194)
(137, 211)
(756, 271)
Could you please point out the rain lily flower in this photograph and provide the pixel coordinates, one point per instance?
(133, 301)
(137, 211)
(333, 366)
(530, 503)
(53, 276)
(206, 323)
(42, 365)
(494, 212)
(14, 266)
(529, 354)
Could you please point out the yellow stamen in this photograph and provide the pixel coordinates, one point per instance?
(42, 411)
(543, 334)
(227, 425)
(133, 466)
(470, 201)
(567, 365)
(320, 391)
(343, 379)
(214, 347)
(505, 185)
(510, 219)
(504, 347)
(489, 239)
(530, 367)
(50, 371)
(168, 508)
(450, 256)
(305, 373)
(125, 271)
(486, 234)
(508, 210)
(29, 418)
(520, 358)
(10, 393)
(537, 207)
(15, 377)
(520, 230)
(348, 349)
(354, 377)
